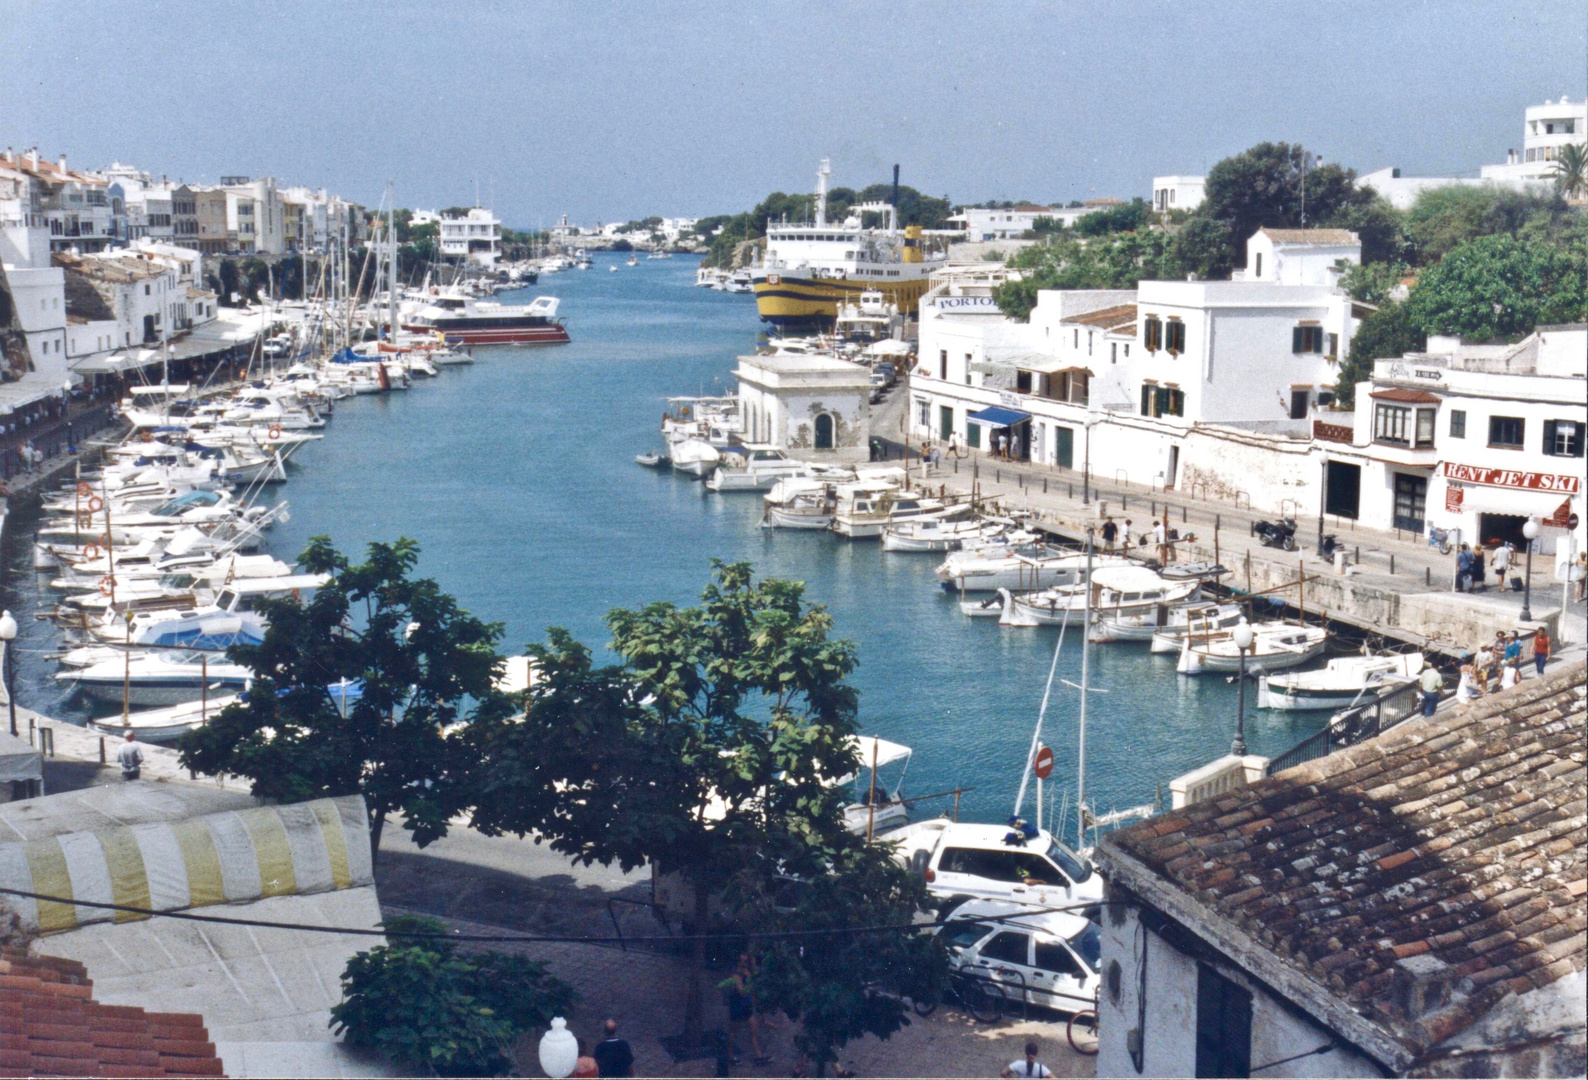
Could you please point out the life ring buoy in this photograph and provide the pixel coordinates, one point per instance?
(83, 490)
(107, 585)
(104, 541)
(95, 504)
(275, 431)
(91, 552)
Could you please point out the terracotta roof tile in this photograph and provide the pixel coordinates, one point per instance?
(1460, 837)
(53, 1027)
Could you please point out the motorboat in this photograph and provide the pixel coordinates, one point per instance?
(740, 281)
(1275, 645)
(461, 320)
(863, 509)
(1017, 567)
(1116, 592)
(753, 467)
(159, 678)
(708, 277)
(937, 534)
(650, 460)
(1340, 683)
(697, 457)
(165, 724)
(878, 807)
(1145, 625)
(798, 503)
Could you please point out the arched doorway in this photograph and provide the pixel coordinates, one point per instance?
(824, 431)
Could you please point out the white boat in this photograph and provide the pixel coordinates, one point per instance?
(158, 678)
(1341, 682)
(1145, 625)
(862, 510)
(1017, 568)
(739, 281)
(887, 810)
(753, 467)
(650, 460)
(1166, 639)
(1275, 645)
(633, 260)
(1114, 591)
(697, 457)
(708, 277)
(164, 725)
(937, 534)
(798, 503)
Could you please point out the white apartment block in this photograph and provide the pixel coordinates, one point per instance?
(1178, 192)
(74, 207)
(1011, 223)
(255, 216)
(1176, 384)
(476, 237)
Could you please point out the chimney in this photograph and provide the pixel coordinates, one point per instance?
(33, 158)
(1421, 985)
(63, 163)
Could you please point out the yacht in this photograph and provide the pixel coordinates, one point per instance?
(938, 534)
(740, 281)
(164, 678)
(810, 268)
(708, 277)
(462, 320)
(753, 467)
(1017, 567)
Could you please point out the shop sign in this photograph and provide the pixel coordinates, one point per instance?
(1513, 478)
(1009, 399)
(966, 303)
(1453, 497)
(1562, 516)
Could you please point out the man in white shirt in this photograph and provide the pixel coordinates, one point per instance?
(130, 757)
(1501, 561)
(1028, 1065)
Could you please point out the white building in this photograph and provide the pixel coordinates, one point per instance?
(1177, 192)
(1469, 438)
(255, 216)
(475, 237)
(1011, 223)
(74, 207)
(804, 403)
(1173, 383)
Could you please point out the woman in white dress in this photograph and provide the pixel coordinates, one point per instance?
(1467, 688)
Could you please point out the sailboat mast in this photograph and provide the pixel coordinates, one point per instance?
(391, 265)
(1086, 686)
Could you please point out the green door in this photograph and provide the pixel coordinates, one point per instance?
(973, 436)
(945, 422)
(1064, 447)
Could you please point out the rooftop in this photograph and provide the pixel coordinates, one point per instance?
(1311, 236)
(1109, 318)
(1459, 839)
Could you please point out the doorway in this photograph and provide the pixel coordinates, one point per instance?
(824, 431)
(1224, 1026)
(945, 422)
(1502, 529)
(1298, 404)
(1344, 497)
(1174, 468)
(1411, 501)
(1064, 447)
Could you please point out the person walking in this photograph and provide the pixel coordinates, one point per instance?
(1479, 582)
(1579, 574)
(1541, 647)
(1028, 1065)
(1481, 663)
(1467, 688)
(1464, 569)
(1110, 532)
(130, 757)
(1502, 563)
(613, 1055)
(738, 992)
(1512, 653)
(1430, 682)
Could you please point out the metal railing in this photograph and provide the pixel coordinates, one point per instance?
(1354, 725)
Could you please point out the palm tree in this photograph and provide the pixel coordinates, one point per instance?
(1571, 171)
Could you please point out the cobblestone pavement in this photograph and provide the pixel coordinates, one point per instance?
(644, 992)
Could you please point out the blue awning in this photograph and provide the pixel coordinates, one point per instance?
(997, 417)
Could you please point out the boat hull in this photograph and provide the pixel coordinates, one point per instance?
(540, 334)
(1318, 700)
(1200, 663)
(781, 519)
(790, 301)
(173, 691)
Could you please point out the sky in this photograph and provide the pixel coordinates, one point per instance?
(611, 111)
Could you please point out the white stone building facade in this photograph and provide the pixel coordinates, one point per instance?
(805, 403)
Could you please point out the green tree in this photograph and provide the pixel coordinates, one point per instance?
(1129, 217)
(1500, 287)
(424, 1004)
(1444, 218)
(229, 281)
(1571, 171)
(422, 662)
(850, 983)
(710, 751)
(1372, 283)
(1116, 261)
(1386, 333)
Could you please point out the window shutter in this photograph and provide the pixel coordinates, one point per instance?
(1317, 340)
(1146, 400)
(1295, 339)
(1549, 437)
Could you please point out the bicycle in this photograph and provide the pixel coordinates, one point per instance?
(1081, 1031)
(982, 998)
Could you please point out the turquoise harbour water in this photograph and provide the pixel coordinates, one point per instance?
(517, 477)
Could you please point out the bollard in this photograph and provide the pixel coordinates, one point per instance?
(1183, 518)
(1428, 576)
(956, 466)
(101, 749)
(1124, 501)
(998, 476)
(1044, 485)
(1072, 489)
(1392, 562)
(1251, 528)
(1358, 558)
(1215, 523)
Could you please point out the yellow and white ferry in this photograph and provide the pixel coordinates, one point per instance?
(809, 269)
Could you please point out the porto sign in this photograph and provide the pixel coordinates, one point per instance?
(1513, 478)
(975, 304)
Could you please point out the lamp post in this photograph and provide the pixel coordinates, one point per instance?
(559, 1050)
(8, 634)
(1530, 531)
(1242, 636)
(1323, 499)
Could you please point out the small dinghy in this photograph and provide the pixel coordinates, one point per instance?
(651, 460)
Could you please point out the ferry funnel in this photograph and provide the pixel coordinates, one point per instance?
(895, 199)
(912, 244)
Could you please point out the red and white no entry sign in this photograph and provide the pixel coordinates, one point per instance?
(1042, 764)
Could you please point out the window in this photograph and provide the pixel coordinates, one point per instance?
(1075, 338)
(923, 413)
(1146, 399)
(1152, 332)
(1023, 382)
(1425, 426)
(1305, 339)
(1088, 343)
(1162, 400)
(1390, 424)
(942, 364)
(1458, 423)
(1174, 334)
(1224, 1026)
(1113, 352)
(1563, 438)
(1259, 268)
(1507, 431)
(967, 369)
(996, 865)
(1010, 947)
(1051, 956)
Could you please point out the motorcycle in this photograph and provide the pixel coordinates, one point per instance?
(1277, 534)
(1328, 545)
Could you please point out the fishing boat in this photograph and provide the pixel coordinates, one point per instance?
(798, 503)
(167, 724)
(753, 467)
(1222, 618)
(1339, 683)
(1145, 625)
(863, 509)
(1113, 592)
(937, 534)
(1275, 646)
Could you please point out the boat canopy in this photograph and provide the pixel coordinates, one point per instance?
(1127, 578)
(884, 752)
(162, 390)
(995, 416)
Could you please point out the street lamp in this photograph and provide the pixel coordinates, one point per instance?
(1530, 531)
(559, 1050)
(8, 634)
(1242, 636)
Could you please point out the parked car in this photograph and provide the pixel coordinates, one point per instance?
(1045, 958)
(996, 862)
(888, 371)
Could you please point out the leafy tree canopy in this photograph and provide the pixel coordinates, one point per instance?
(1117, 261)
(1500, 287)
(1116, 219)
(1444, 218)
(1385, 333)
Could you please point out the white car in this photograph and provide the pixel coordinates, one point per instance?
(1046, 958)
(997, 862)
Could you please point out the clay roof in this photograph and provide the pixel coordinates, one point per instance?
(1108, 318)
(1409, 397)
(1310, 236)
(50, 1025)
(1458, 837)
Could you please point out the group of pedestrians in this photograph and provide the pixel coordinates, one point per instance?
(1497, 665)
(1473, 564)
